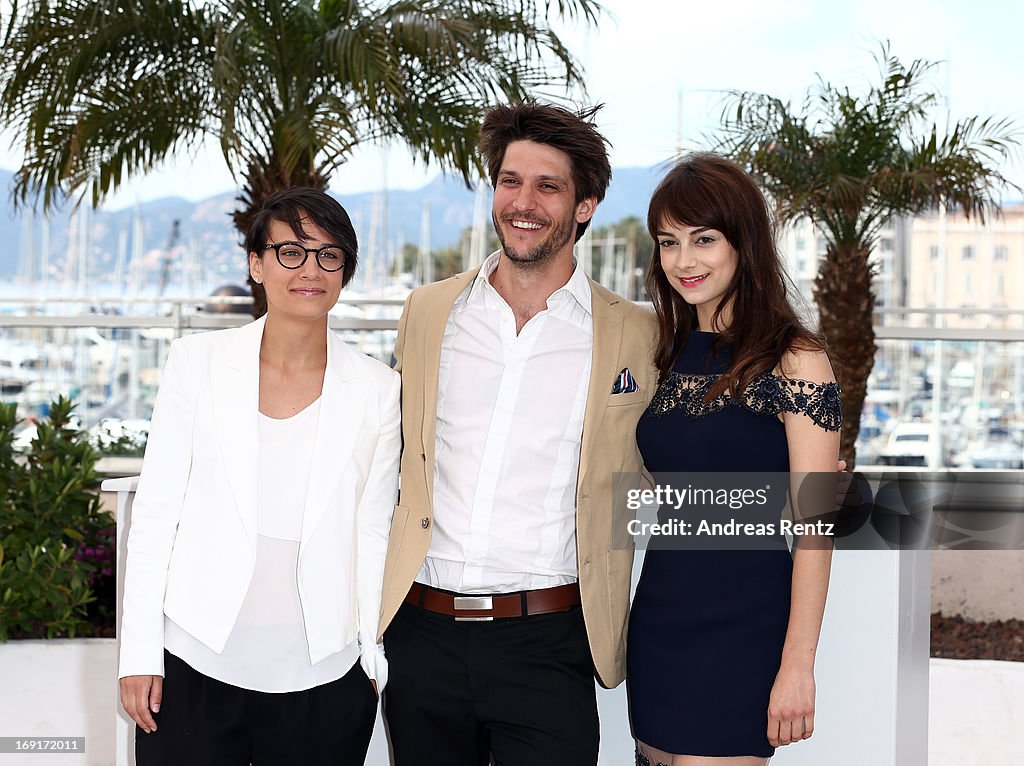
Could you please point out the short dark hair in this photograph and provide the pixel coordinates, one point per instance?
(571, 132)
(291, 206)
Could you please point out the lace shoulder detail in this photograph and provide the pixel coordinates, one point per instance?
(767, 394)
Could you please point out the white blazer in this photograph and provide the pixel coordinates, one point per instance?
(192, 543)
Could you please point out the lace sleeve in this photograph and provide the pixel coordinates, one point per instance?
(768, 394)
(821, 402)
(686, 392)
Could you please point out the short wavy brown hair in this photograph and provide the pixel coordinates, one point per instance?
(571, 132)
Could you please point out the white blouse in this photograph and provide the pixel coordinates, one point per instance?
(267, 649)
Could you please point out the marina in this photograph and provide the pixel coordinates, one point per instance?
(931, 403)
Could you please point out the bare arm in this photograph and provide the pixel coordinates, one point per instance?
(811, 449)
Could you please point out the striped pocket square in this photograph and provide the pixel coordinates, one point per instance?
(624, 383)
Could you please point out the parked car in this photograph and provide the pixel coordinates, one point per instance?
(913, 444)
(998, 449)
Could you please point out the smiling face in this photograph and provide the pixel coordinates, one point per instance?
(307, 292)
(700, 265)
(535, 210)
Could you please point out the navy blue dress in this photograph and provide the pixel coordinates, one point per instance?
(707, 627)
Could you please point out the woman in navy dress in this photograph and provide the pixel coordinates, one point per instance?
(722, 642)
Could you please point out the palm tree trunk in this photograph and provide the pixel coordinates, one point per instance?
(260, 182)
(846, 301)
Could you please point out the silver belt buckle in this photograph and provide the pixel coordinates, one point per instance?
(473, 602)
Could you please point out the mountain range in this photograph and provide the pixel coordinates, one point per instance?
(210, 243)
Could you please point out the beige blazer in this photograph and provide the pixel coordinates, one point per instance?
(624, 337)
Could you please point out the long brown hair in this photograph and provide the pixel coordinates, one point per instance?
(708, 190)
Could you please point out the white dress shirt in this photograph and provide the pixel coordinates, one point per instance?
(509, 426)
(267, 650)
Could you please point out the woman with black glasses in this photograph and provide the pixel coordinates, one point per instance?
(259, 529)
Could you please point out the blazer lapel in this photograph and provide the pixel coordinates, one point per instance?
(342, 404)
(236, 397)
(603, 369)
(436, 321)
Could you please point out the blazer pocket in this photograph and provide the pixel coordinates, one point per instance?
(622, 400)
(620, 570)
(397, 536)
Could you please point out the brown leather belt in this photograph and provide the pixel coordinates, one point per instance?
(486, 608)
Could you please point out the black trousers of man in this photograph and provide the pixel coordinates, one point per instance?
(518, 688)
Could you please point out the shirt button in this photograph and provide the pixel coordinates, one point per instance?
(424, 522)
(586, 562)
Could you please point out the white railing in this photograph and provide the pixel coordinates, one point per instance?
(182, 314)
(107, 352)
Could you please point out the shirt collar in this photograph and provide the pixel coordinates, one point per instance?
(578, 286)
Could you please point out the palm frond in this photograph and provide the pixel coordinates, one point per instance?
(101, 90)
(852, 161)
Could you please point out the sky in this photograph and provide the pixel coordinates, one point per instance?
(661, 67)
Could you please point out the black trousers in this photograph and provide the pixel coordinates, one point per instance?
(520, 689)
(203, 722)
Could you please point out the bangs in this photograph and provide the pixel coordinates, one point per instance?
(686, 199)
(326, 216)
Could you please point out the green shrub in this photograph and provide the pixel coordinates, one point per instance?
(55, 542)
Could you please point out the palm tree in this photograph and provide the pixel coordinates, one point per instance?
(850, 163)
(101, 90)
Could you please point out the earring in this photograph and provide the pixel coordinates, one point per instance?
(254, 279)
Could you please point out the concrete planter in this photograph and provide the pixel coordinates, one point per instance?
(60, 688)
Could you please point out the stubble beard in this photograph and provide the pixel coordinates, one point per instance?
(543, 252)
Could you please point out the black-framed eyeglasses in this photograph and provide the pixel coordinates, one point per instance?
(292, 255)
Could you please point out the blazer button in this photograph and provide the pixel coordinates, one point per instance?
(424, 522)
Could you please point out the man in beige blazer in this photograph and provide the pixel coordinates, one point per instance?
(522, 383)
